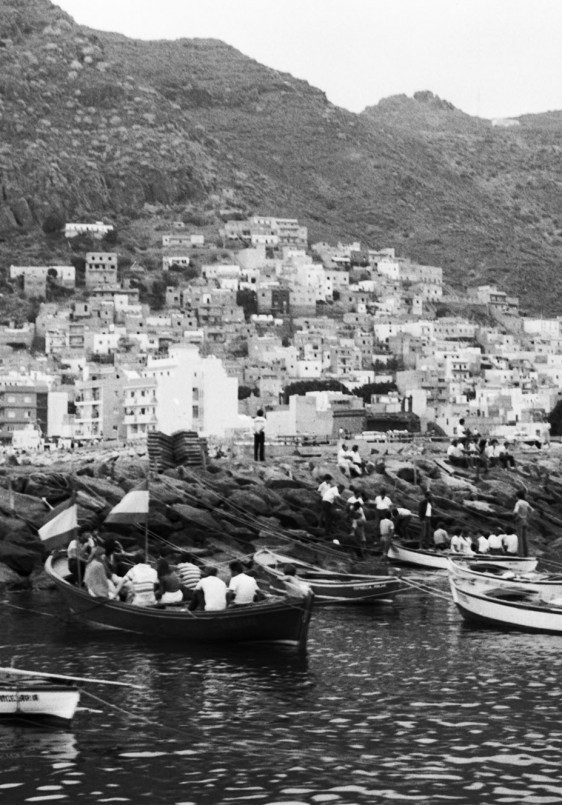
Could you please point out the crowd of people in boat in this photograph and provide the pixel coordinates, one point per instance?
(107, 571)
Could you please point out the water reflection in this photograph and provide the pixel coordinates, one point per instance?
(400, 703)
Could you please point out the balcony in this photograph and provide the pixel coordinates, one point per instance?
(140, 419)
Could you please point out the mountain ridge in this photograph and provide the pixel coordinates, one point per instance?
(96, 124)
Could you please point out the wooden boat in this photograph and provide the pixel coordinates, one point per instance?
(278, 619)
(486, 574)
(508, 609)
(24, 695)
(329, 587)
(410, 554)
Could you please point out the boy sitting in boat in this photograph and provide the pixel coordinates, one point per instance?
(242, 588)
(294, 587)
(139, 583)
(210, 592)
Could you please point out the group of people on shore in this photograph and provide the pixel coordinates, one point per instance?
(390, 520)
(350, 462)
(470, 449)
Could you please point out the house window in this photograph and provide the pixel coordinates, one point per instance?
(195, 412)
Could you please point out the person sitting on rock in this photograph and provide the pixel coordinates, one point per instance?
(345, 461)
(357, 466)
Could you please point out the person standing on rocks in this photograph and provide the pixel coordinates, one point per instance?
(259, 436)
(425, 513)
(522, 512)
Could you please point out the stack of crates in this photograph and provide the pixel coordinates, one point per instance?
(182, 448)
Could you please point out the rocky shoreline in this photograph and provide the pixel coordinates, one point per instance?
(233, 505)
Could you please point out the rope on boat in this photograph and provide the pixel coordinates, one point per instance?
(130, 714)
(27, 609)
(244, 519)
(427, 588)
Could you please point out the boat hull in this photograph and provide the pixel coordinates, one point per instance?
(52, 702)
(280, 620)
(524, 611)
(439, 560)
(331, 587)
(486, 575)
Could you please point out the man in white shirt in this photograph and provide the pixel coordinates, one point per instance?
(210, 592)
(510, 542)
(495, 544)
(345, 460)
(457, 544)
(259, 436)
(357, 463)
(325, 485)
(329, 498)
(461, 429)
(425, 513)
(401, 518)
(242, 589)
(482, 543)
(440, 538)
(383, 505)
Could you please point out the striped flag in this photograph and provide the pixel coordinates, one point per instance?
(60, 526)
(133, 508)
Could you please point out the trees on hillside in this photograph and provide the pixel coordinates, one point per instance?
(302, 386)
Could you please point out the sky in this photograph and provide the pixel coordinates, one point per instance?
(491, 58)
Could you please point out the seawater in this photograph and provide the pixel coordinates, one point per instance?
(391, 704)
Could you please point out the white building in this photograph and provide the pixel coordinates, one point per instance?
(193, 393)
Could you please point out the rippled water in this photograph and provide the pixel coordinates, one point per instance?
(390, 705)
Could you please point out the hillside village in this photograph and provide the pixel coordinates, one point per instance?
(250, 316)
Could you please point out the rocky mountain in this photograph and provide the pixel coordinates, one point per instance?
(97, 125)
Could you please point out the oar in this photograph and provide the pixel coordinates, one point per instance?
(19, 672)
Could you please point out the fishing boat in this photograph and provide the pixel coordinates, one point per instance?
(277, 619)
(410, 554)
(486, 574)
(25, 695)
(329, 587)
(523, 609)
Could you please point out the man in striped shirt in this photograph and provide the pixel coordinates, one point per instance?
(189, 575)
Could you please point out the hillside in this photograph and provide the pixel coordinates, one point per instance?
(98, 125)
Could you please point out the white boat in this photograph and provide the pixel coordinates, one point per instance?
(32, 697)
(410, 554)
(499, 607)
(486, 573)
(39, 695)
